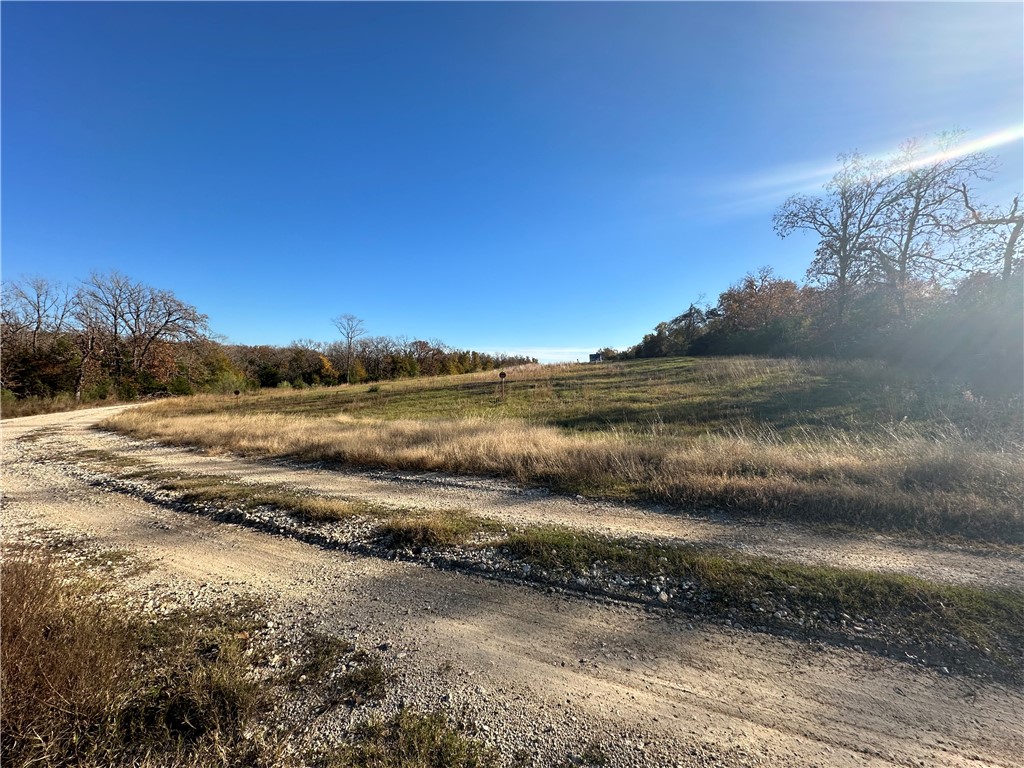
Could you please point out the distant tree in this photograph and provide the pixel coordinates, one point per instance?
(107, 330)
(38, 305)
(351, 328)
(34, 316)
(758, 301)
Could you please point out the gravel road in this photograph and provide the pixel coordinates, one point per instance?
(539, 673)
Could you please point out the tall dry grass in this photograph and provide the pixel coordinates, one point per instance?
(87, 683)
(900, 479)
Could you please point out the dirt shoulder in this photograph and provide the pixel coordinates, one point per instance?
(545, 673)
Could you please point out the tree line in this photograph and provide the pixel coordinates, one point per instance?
(307, 363)
(908, 267)
(112, 337)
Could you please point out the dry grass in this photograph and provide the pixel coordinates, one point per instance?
(898, 479)
(85, 682)
(11, 408)
(89, 684)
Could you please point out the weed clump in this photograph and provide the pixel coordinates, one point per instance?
(428, 530)
(410, 739)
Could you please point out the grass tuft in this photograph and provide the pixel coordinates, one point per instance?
(437, 529)
(412, 740)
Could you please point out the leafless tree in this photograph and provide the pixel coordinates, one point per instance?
(35, 311)
(37, 306)
(1000, 231)
(915, 241)
(351, 328)
(848, 221)
(124, 320)
(888, 222)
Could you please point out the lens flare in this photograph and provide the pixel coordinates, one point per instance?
(807, 178)
(962, 149)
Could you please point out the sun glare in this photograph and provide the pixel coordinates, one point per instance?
(962, 149)
(807, 178)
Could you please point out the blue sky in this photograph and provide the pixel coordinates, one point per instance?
(545, 177)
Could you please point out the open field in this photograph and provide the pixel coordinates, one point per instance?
(847, 444)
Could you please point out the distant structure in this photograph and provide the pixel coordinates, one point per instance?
(596, 357)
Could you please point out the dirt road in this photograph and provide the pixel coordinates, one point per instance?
(546, 674)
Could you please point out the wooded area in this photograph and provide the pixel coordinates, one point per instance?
(907, 268)
(112, 337)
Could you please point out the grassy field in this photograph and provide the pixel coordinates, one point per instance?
(840, 443)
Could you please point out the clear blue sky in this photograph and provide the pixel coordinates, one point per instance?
(549, 178)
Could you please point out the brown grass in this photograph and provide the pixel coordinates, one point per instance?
(89, 684)
(10, 408)
(900, 479)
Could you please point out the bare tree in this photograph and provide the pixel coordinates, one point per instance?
(38, 306)
(155, 315)
(90, 328)
(124, 321)
(35, 312)
(351, 328)
(887, 222)
(915, 240)
(1005, 226)
(847, 219)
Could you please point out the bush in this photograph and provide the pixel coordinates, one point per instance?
(228, 382)
(7, 398)
(179, 385)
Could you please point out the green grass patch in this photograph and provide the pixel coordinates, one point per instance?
(217, 489)
(434, 529)
(410, 739)
(108, 460)
(227, 491)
